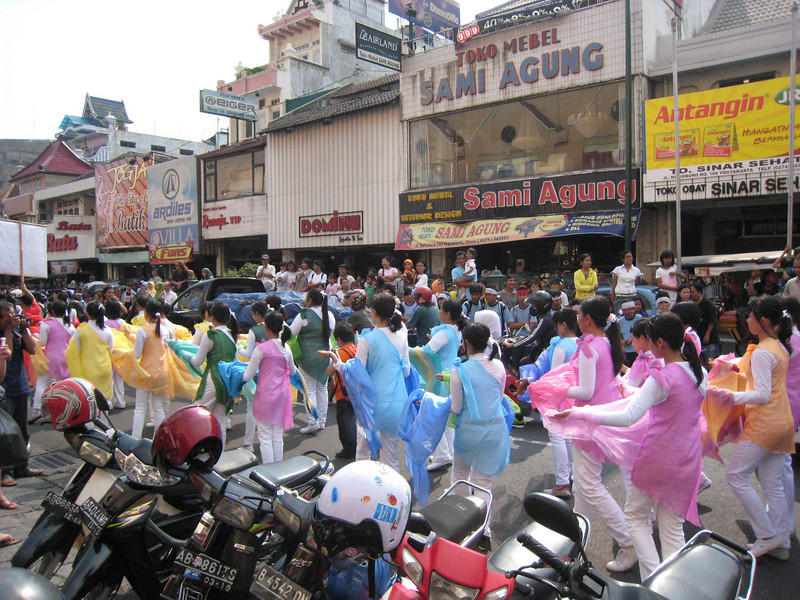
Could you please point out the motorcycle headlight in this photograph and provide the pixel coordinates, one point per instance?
(498, 594)
(140, 473)
(234, 514)
(443, 589)
(94, 455)
(412, 567)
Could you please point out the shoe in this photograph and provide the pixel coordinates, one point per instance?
(249, 449)
(560, 491)
(439, 464)
(344, 455)
(518, 424)
(764, 546)
(312, 427)
(228, 425)
(626, 559)
(705, 483)
(148, 424)
(8, 481)
(34, 416)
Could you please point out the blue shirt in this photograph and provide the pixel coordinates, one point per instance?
(625, 326)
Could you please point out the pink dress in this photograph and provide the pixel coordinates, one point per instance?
(57, 341)
(793, 379)
(272, 402)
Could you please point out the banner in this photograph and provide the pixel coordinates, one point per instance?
(732, 141)
(63, 267)
(24, 241)
(433, 15)
(237, 217)
(448, 235)
(121, 202)
(378, 47)
(172, 203)
(71, 237)
(166, 255)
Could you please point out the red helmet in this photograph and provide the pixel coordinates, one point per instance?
(73, 402)
(189, 432)
(356, 299)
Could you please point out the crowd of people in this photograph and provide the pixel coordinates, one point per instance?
(623, 383)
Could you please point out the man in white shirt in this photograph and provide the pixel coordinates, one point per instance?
(168, 296)
(266, 273)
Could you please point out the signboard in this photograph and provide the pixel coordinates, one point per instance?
(525, 198)
(335, 223)
(121, 202)
(536, 10)
(493, 231)
(164, 255)
(172, 203)
(377, 47)
(63, 267)
(23, 242)
(71, 237)
(433, 15)
(228, 105)
(239, 217)
(733, 142)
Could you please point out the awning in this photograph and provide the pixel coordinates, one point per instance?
(714, 264)
(121, 258)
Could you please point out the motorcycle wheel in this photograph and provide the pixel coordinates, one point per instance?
(104, 590)
(48, 563)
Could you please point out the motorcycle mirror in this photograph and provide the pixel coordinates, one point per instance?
(554, 514)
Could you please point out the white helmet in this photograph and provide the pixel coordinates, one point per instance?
(363, 509)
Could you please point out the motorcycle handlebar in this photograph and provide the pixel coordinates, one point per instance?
(544, 553)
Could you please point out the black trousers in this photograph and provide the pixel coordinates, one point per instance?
(17, 407)
(346, 422)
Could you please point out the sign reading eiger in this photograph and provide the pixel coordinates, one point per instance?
(377, 47)
(228, 105)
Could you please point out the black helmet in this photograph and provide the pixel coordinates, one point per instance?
(21, 584)
(540, 301)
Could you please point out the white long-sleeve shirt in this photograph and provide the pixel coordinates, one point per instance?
(257, 357)
(587, 369)
(206, 344)
(559, 357)
(440, 338)
(141, 336)
(494, 367)
(251, 345)
(762, 362)
(299, 322)
(399, 340)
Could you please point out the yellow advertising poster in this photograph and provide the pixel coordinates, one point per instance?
(733, 131)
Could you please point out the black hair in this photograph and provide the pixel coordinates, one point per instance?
(420, 261)
(95, 310)
(388, 288)
(141, 301)
(259, 307)
(58, 308)
(221, 313)
(569, 317)
(63, 296)
(583, 257)
(669, 328)
(273, 301)
(344, 331)
(478, 334)
(6, 306)
(390, 259)
(319, 299)
(473, 252)
(343, 266)
(623, 254)
(460, 253)
(769, 307)
(697, 285)
(154, 311)
(291, 262)
(27, 299)
(453, 308)
(642, 328)
(598, 309)
(204, 307)
(276, 324)
(79, 312)
(407, 291)
(662, 294)
(689, 313)
(475, 288)
(283, 264)
(113, 309)
(166, 308)
(384, 307)
(792, 306)
(105, 289)
(682, 287)
(308, 262)
(317, 262)
(666, 254)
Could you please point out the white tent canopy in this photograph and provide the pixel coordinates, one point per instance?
(715, 264)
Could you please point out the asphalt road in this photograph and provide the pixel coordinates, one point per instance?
(530, 470)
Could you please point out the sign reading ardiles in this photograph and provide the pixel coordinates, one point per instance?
(377, 47)
(228, 105)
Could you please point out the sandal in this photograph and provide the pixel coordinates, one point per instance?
(7, 540)
(7, 504)
(7, 481)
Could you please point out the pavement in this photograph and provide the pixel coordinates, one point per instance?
(530, 470)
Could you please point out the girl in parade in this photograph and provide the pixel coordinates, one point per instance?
(88, 353)
(113, 315)
(272, 404)
(217, 344)
(150, 348)
(666, 472)
(768, 435)
(636, 374)
(204, 325)
(313, 327)
(256, 335)
(54, 335)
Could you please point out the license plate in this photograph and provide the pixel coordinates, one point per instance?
(271, 585)
(205, 570)
(61, 507)
(95, 517)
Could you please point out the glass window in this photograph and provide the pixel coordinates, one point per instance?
(568, 131)
(234, 176)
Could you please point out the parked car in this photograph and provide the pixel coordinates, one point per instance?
(186, 308)
(646, 293)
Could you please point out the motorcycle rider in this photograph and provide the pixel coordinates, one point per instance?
(539, 338)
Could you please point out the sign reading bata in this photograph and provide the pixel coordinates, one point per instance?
(492, 231)
(733, 141)
(121, 202)
(71, 237)
(228, 105)
(172, 203)
(433, 15)
(377, 47)
(577, 193)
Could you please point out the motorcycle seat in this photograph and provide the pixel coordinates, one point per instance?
(701, 572)
(234, 461)
(454, 518)
(289, 473)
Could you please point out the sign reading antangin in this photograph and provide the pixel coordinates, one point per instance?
(377, 47)
(228, 105)
(334, 223)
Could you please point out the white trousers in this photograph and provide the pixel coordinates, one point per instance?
(746, 457)
(209, 400)
(592, 496)
(444, 449)
(461, 470)
(118, 387)
(270, 438)
(42, 382)
(249, 426)
(638, 509)
(786, 526)
(562, 458)
(389, 448)
(157, 404)
(318, 391)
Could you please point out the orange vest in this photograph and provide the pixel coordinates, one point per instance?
(345, 353)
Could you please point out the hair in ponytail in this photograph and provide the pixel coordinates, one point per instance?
(598, 309)
(319, 299)
(568, 317)
(769, 308)
(791, 306)
(113, 308)
(153, 310)
(275, 323)
(384, 307)
(642, 328)
(614, 336)
(59, 309)
(669, 327)
(478, 336)
(453, 308)
(95, 311)
(259, 307)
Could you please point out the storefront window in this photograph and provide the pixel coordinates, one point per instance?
(234, 176)
(568, 131)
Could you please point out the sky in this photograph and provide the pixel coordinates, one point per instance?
(153, 55)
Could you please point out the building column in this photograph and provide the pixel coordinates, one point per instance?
(438, 262)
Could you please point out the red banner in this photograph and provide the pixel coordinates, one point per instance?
(165, 255)
(121, 202)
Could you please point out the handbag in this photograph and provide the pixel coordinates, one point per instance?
(13, 450)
